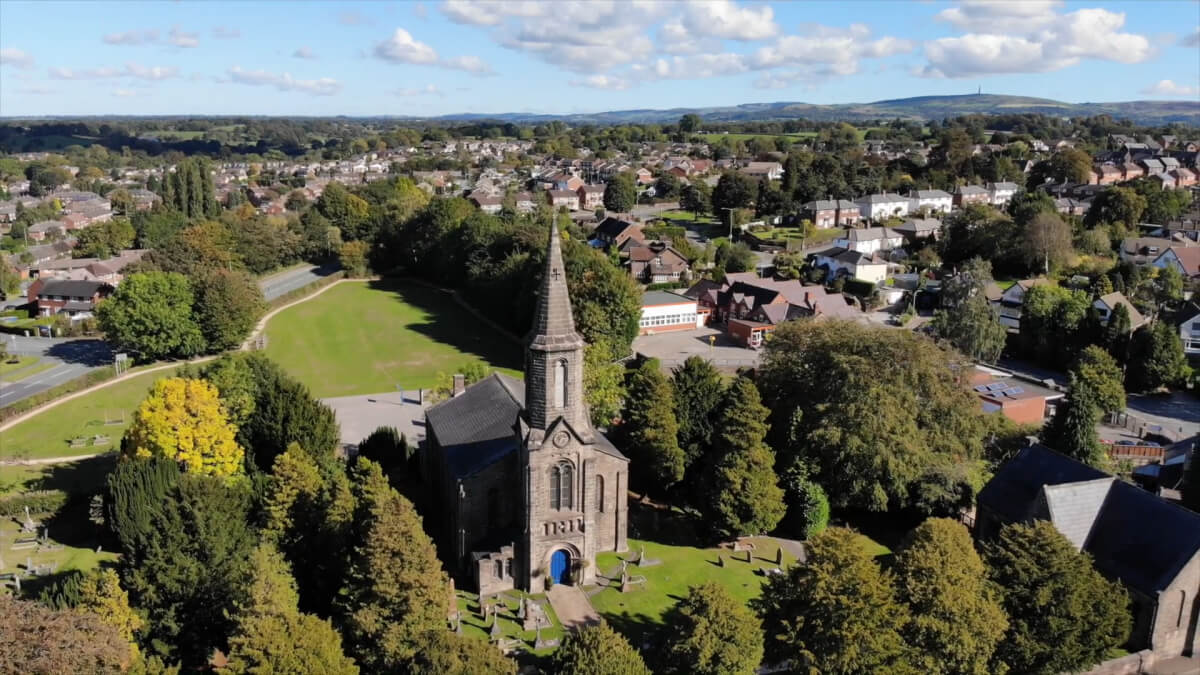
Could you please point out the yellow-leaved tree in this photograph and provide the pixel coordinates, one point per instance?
(183, 419)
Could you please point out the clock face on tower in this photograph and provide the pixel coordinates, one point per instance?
(561, 439)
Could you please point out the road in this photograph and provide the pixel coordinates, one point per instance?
(75, 357)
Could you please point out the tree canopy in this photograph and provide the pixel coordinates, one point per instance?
(151, 315)
(712, 634)
(183, 420)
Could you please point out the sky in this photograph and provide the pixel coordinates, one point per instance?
(433, 57)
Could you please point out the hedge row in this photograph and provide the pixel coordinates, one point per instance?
(38, 501)
(71, 386)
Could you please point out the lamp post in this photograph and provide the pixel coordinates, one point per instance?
(730, 209)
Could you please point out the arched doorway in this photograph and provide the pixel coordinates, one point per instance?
(560, 566)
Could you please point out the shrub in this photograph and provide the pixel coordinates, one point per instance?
(38, 501)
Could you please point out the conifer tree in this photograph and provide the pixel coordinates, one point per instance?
(837, 614)
(1063, 616)
(271, 635)
(444, 653)
(957, 619)
(1117, 332)
(712, 634)
(1156, 358)
(395, 589)
(597, 650)
(1072, 431)
(697, 387)
(649, 431)
(101, 594)
(744, 496)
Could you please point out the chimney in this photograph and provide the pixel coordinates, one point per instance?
(460, 384)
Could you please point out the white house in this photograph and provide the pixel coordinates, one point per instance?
(884, 205)
(664, 311)
(870, 239)
(1189, 329)
(934, 200)
(1106, 304)
(864, 266)
(999, 194)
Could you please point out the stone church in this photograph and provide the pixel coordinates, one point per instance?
(524, 491)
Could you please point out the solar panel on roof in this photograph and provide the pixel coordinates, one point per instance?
(981, 388)
(997, 386)
(1015, 391)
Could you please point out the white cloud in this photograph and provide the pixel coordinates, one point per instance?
(303, 53)
(1169, 88)
(837, 50)
(427, 90)
(691, 67)
(226, 33)
(324, 86)
(1000, 16)
(131, 37)
(1045, 45)
(103, 72)
(471, 64)
(11, 56)
(124, 93)
(725, 19)
(601, 82)
(181, 38)
(402, 47)
(150, 72)
(1191, 40)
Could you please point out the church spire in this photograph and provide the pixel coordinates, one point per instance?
(554, 323)
(554, 362)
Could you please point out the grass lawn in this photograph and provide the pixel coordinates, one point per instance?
(49, 434)
(639, 613)
(1006, 284)
(510, 626)
(821, 236)
(366, 338)
(9, 365)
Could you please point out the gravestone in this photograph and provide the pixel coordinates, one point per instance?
(29, 525)
(641, 556)
(779, 555)
(720, 560)
(495, 632)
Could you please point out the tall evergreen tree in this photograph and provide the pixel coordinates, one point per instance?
(1117, 333)
(744, 495)
(1072, 431)
(712, 634)
(597, 650)
(395, 589)
(837, 614)
(649, 432)
(1097, 370)
(1156, 358)
(957, 619)
(1063, 616)
(697, 388)
(285, 412)
(444, 653)
(271, 635)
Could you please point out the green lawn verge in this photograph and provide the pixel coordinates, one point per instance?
(639, 613)
(368, 337)
(9, 366)
(49, 433)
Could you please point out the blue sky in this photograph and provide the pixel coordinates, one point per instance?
(435, 57)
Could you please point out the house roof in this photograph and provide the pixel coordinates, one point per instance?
(477, 428)
(701, 288)
(1116, 298)
(920, 225)
(931, 194)
(971, 190)
(613, 227)
(1073, 506)
(882, 198)
(870, 234)
(1142, 539)
(657, 298)
(1189, 257)
(71, 288)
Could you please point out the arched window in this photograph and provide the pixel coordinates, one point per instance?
(560, 384)
(499, 569)
(600, 494)
(562, 487)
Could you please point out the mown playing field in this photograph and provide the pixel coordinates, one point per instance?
(370, 337)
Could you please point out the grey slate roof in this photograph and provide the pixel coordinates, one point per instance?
(1073, 507)
(654, 298)
(1015, 490)
(71, 288)
(1142, 539)
(476, 428)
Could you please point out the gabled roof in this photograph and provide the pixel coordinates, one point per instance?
(477, 427)
(71, 288)
(1113, 299)
(1141, 539)
(1014, 491)
(870, 234)
(612, 227)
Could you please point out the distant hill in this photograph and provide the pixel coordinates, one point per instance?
(917, 108)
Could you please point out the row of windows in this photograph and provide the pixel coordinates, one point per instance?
(667, 320)
(503, 569)
(562, 488)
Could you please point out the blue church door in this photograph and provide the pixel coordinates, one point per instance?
(560, 563)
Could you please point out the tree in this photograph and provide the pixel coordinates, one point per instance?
(444, 653)
(712, 634)
(689, 123)
(606, 302)
(957, 619)
(969, 321)
(10, 279)
(395, 590)
(388, 448)
(1156, 358)
(734, 191)
(744, 494)
(788, 265)
(837, 613)
(1116, 204)
(150, 315)
(189, 190)
(1067, 165)
(603, 382)
(285, 412)
(37, 639)
(347, 212)
(227, 305)
(620, 193)
(183, 420)
(271, 635)
(1168, 287)
(1047, 242)
(104, 240)
(1063, 616)
(697, 388)
(1097, 370)
(597, 650)
(868, 434)
(100, 593)
(667, 186)
(649, 431)
(807, 505)
(1072, 430)
(1117, 332)
(352, 256)
(696, 198)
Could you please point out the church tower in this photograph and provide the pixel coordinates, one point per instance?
(554, 361)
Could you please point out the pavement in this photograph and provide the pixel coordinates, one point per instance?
(75, 357)
(673, 348)
(572, 607)
(359, 416)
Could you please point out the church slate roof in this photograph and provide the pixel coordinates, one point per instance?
(1015, 489)
(476, 428)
